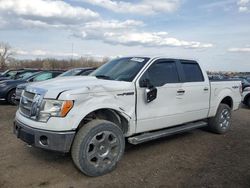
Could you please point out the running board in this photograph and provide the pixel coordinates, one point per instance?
(145, 137)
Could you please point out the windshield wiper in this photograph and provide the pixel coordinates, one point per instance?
(104, 77)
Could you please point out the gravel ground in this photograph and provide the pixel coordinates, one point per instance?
(193, 159)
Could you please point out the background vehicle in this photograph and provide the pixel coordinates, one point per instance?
(8, 74)
(8, 87)
(139, 98)
(244, 80)
(16, 74)
(78, 71)
(72, 72)
(246, 96)
(248, 78)
(216, 77)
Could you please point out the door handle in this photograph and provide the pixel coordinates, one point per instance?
(205, 89)
(180, 91)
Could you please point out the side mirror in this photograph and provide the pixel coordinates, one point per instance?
(151, 94)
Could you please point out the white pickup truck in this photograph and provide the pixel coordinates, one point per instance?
(137, 98)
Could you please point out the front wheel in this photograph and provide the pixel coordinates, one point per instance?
(11, 97)
(97, 147)
(221, 122)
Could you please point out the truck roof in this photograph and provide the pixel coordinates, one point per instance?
(163, 57)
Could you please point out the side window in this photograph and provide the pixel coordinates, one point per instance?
(42, 77)
(162, 72)
(192, 72)
(55, 74)
(86, 72)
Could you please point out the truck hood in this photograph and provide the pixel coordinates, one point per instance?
(76, 85)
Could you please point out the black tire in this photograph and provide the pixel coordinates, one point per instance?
(11, 97)
(97, 147)
(248, 101)
(221, 122)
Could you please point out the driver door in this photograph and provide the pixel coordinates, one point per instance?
(166, 109)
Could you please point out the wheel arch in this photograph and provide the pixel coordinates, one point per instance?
(7, 91)
(108, 114)
(228, 101)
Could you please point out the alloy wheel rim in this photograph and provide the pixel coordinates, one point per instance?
(225, 118)
(103, 149)
(13, 97)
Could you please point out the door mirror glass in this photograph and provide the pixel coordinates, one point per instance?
(151, 94)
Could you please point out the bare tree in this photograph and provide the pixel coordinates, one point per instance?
(5, 54)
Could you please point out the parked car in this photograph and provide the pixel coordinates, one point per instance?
(8, 74)
(17, 74)
(246, 96)
(8, 87)
(78, 71)
(216, 77)
(244, 81)
(72, 72)
(248, 78)
(138, 98)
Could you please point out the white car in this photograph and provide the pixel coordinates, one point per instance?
(138, 98)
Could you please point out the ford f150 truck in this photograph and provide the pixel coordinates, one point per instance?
(133, 98)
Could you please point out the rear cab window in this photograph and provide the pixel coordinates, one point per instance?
(192, 71)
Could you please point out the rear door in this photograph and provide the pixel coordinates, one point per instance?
(194, 92)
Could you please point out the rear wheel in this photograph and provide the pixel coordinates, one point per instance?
(97, 147)
(221, 122)
(11, 97)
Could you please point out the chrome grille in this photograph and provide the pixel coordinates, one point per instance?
(29, 95)
(31, 101)
(26, 103)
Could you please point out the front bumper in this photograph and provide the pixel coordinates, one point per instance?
(50, 140)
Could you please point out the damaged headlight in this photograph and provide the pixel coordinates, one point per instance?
(54, 108)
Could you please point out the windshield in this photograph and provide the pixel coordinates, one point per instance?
(123, 69)
(25, 75)
(43, 76)
(4, 73)
(72, 72)
(10, 74)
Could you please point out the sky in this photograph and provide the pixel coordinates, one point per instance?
(214, 32)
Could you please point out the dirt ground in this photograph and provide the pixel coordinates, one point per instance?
(194, 159)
